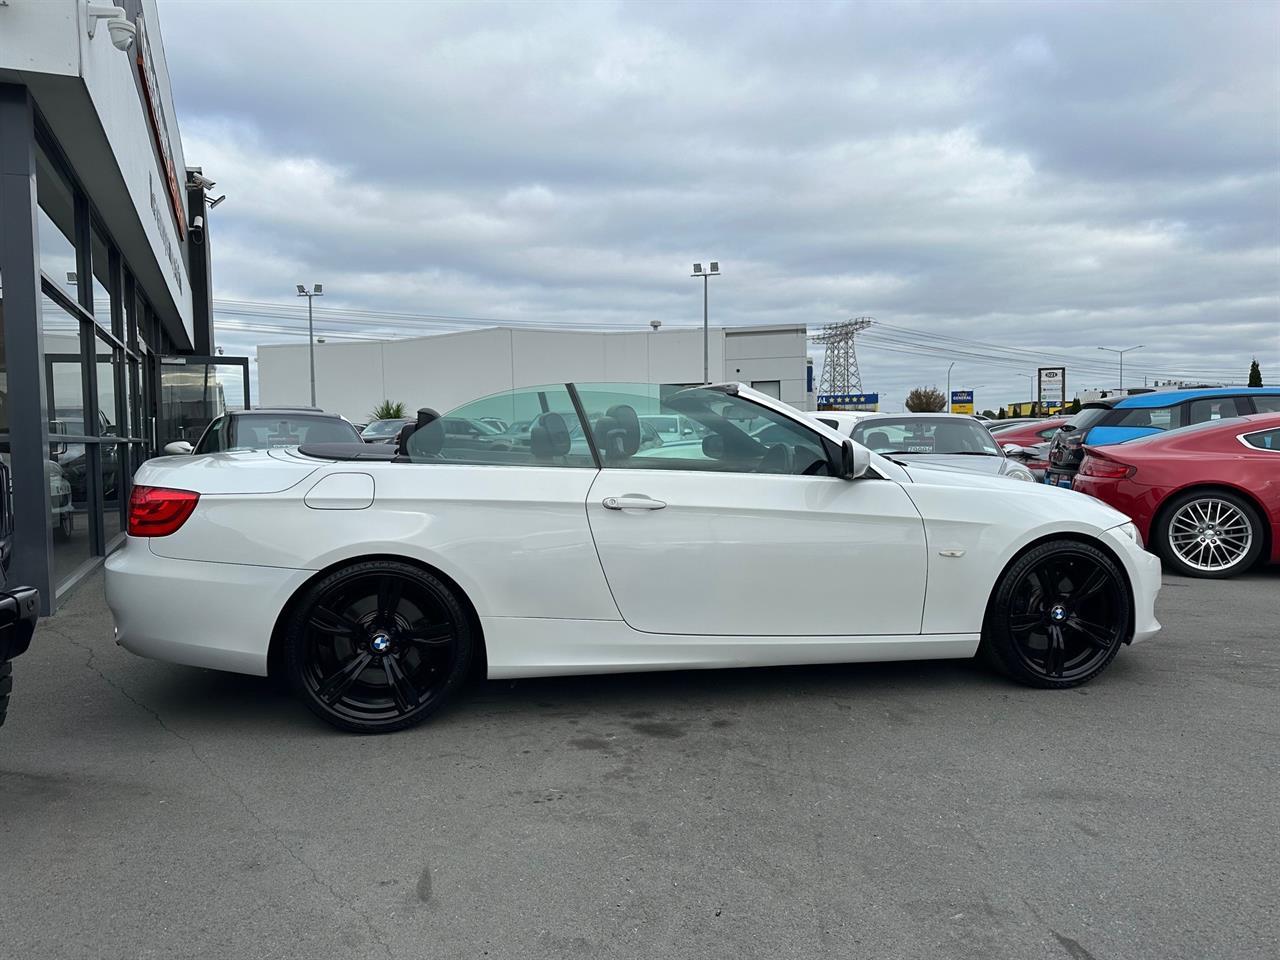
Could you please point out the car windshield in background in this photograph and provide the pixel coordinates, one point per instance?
(925, 435)
(384, 428)
(1086, 418)
(262, 432)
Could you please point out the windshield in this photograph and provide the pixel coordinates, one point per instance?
(925, 435)
(262, 431)
(384, 428)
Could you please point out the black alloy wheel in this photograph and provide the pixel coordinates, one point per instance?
(1059, 616)
(378, 646)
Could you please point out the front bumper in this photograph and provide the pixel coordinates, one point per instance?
(1144, 577)
(215, 615)
(19, 610)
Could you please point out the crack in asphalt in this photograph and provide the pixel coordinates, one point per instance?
(316, 878)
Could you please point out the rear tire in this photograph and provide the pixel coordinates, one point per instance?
(377, 646)
(1211, 534)
(1058, 616)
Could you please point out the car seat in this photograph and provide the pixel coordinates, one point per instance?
(618, 433)
(877, 440)
(779, 458)
(549, 437)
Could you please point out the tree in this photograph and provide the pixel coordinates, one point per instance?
(989, 414)
(388, 410)
(1073, 407)
(926, 400)
(1255, 374)
(1002, 414)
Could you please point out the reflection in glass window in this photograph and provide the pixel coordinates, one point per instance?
(1266, 404)
(107, 413)
(57, 225)
(1215, 408)
(530, 427)
(101, 280)
(64, 369)
(730, 434)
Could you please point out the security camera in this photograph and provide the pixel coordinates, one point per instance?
(197, 230)
(122, 33)
(195, 178)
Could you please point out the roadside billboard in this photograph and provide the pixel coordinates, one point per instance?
(1052, 388)
(962, 401)
(848, 401)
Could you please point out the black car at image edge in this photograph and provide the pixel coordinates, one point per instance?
(19, 606)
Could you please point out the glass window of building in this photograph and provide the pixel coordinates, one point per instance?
(64, 366)
(102, 285)
(57, 224)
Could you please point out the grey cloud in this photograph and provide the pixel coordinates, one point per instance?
(1049, 176)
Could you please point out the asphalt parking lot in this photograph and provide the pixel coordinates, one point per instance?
(899, 810)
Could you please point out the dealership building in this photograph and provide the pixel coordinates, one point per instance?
(446, 370)
(104, 277)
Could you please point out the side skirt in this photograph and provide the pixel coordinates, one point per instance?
(531, 647)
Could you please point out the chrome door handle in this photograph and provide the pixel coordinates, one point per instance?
(633, 501)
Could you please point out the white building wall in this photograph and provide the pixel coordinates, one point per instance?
(447, 370)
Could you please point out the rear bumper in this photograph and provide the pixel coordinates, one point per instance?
(215, 615)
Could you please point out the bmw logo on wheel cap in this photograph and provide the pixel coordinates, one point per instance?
(1058, 613)
(380, 643)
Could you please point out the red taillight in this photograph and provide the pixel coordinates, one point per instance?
(158, 511)
(1095, 466)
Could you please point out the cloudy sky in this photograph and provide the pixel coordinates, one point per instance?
(1004, 186)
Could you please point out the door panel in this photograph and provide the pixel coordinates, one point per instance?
(759, 555)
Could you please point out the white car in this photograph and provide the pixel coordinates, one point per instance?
(842, 421)
(378, 578)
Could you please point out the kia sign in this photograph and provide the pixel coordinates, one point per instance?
(1053, 388)
(962, 401)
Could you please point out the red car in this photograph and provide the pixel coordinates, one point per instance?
(1030, 434)
(1205, 498)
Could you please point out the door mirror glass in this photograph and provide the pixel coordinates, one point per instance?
(1011, 449)
(179, 448)
(855, 460)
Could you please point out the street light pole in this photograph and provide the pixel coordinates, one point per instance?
(316, 291)
(714, 269)
(953, 363)
(1121, 353)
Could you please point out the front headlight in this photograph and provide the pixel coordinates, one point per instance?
(1022, 473)
(1131, 531)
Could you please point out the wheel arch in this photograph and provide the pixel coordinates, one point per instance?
(275, 647)
(1058, 536)
(1264, 524)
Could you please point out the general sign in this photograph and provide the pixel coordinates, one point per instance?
(962, 401)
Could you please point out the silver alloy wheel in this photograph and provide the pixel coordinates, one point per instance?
(1210, 534)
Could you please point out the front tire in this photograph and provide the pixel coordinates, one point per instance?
(378, 646)
(1058, 616)
(1210, 534)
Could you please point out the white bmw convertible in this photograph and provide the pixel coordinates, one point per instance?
(377, 577)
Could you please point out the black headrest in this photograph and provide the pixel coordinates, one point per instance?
(629, 424)
(416, 440)
(877, 438)
(549, 436)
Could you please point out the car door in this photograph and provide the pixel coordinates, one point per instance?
(740, 538)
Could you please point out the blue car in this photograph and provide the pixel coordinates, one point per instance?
(1119, 420)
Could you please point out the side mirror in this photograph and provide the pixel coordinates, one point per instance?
(179, 448)
(855, 460)
(1012, 449)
